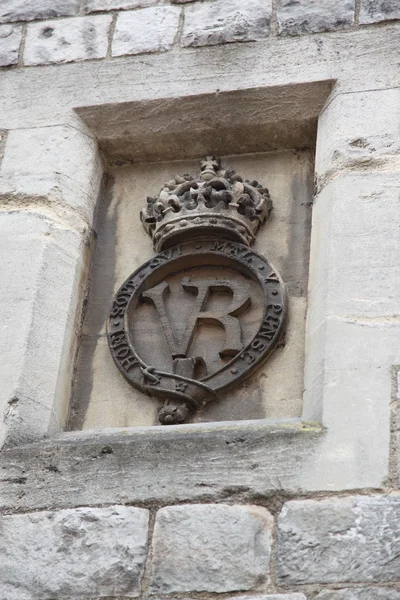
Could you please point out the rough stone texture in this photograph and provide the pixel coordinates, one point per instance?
(96, 5)
(228, 548)
(397, 417)
(147, 30)
(10, 39)
(29, 10)
(49, 181)
(356, 135)
(276, 118)
(66, 40)
(342, 327)
(83, 553)
(253, 460)
(213, 23)
(91, 84)
(343, 540)
(58, 163)
(373, 11)
(373, 593)
(271, 597)
(3, 138)
(46, 260)
(296, 17)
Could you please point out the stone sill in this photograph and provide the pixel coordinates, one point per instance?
(158, 465)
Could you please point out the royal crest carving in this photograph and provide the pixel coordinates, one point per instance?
(205, 312)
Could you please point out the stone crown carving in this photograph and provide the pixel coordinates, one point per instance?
(218, 202)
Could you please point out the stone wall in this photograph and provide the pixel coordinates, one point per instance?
(39, 32)
(324, 548)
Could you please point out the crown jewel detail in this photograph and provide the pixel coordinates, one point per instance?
(218, 201)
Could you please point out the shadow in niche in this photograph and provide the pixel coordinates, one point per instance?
(100, 292)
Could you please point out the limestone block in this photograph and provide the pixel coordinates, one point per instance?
(76, 553)
(271, 597)
(339, 540)
(67, 40)
(356, 218)
(221, 22)
(296, 17)
(373, 11)
(59, 163)
(96, 5)
(3, 138)
(354, 135)
(146, 30)
(10, 39)
(42, 271)
(354, 295)
(373, 593)
(214, 548)
(29, 10)
(398, 424)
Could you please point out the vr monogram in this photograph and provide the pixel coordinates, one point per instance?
(205, 278)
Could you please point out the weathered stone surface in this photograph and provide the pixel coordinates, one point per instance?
(271, 597)
(398, 424)
(96, 5)
(364, 316)
(42, 289)
(3, 138)
(147, 30)
(49, 181)
(29, 10)
(354, 135)
(296, 17)
(254, 459)
(92, 83)
(67, 40)
(343, 540)
(221, 22)
(228, 548)
(59, 163)
(85, 553)
(373, 11)
(373, 593)
(10, 39)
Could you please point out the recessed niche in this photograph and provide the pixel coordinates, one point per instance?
(101, 396)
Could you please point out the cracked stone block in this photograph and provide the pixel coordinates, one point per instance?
(29, 10)
(341, 540)
(146, 30)
(225, 21)
(373, 11)
(96, 5)
(67, 40)
(10, 39)
(213, 548)
(82, 552)
(360, 594)
(297, 17)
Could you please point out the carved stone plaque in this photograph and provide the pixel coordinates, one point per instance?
(205, 313)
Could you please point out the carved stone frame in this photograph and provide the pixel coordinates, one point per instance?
(343, 440)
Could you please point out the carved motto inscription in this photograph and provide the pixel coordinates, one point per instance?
(183, 392)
